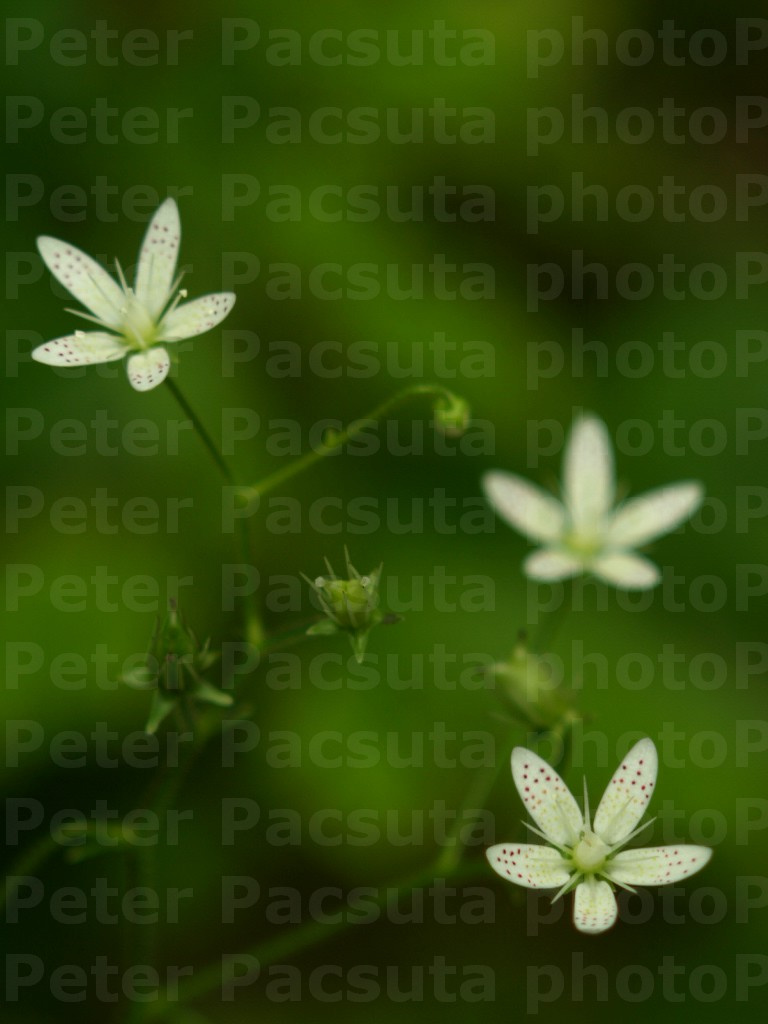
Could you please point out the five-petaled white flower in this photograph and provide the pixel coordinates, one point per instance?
(135, 321)
(584, 532)
(585, 855)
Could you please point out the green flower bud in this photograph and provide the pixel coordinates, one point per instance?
(350, 605)
(174, 669)
(451, 415)
(531, 686)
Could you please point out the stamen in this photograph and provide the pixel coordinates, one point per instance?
(566, 820)
(97, 285)
(88, 316)
(179, 278)
(632, 835)
(181, 295)
(121, 276)
(545, 837)
(618, 815)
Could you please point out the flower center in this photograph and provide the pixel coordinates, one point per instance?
(590, 853)
(138, 327)
(582, 544)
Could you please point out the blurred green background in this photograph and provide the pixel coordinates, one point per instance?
(698, 386)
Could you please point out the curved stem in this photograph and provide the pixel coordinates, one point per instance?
(31, 859)
(550, 624)
(333, 442)
(252, 626)
(301, 937)
(205, 437)
(475, 799)
(27, 863)
(144, 863)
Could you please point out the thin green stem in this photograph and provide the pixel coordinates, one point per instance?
(252, 626)
(205, 437)
(208, 724)
(334, 441)
(244, 707)
(475, 799)
(31, 859)
(144, 863)
(252, 629)
(27, 863)
(288, 637)
(300, 938)
(142, 938)
(550, 624)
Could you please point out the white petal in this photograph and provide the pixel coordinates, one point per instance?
(549, 565)
(630, 572)
(82, 349)
(196, 317)
(627, 794)
(529, 509)
(588, 482)
(654, 514)
(594, 906)
(535, 867)
(546, 797)
(83, 278)
(157, 258)
(658, 865)
(148, 369)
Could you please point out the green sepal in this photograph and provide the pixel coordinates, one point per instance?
(323, 628)
(159, 709)
(212, 695)
(359, 643)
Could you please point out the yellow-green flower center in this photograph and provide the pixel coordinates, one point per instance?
(583, 545)
(590, 853)
(138, 328)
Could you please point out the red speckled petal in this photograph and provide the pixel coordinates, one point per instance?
(594, 907)
(657, 865)
(627, 795)
(196, 317)
(529, 865)
(157, 258)
(83, 278)
(82, 349)
(148, 369)
(546, 797)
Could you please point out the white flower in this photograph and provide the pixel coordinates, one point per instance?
(136, 320)
(585, 855)
(584, 532)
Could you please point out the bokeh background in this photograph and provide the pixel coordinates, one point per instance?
(710, 779)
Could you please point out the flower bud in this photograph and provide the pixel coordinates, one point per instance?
(530, 684)
(350, 605)
(174, 669)
(451, 415)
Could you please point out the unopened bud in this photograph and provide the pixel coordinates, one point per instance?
(451, 414)
(350, 605)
